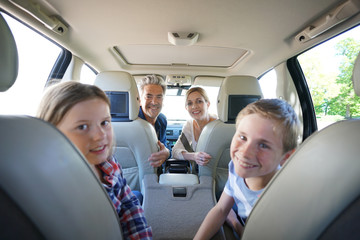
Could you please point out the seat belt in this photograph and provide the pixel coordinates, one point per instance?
(185, 142)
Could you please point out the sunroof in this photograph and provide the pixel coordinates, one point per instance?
(180, 55)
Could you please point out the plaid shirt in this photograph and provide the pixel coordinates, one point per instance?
(132, 219)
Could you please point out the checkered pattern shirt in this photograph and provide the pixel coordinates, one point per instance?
(132, 219)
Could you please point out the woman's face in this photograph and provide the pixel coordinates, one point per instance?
(88, 125)
(197, 106)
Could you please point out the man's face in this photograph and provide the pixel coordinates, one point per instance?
(151, 101)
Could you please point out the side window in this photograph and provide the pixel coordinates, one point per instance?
(37, 56)
(328, 70)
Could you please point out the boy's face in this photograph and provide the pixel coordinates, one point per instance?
(256, 148)
(88, 125)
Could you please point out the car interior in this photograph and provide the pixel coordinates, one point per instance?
(229, 48)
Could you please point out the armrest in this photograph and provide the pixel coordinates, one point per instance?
(175, 179)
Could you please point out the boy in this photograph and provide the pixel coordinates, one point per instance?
(266, 135)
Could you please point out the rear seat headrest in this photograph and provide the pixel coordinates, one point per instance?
(114, 82)
(356, 76)
(239, 90)
(8, 57)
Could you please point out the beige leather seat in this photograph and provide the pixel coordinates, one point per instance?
(136, 139)
(316, 195)
(234, 94)
(47, 188)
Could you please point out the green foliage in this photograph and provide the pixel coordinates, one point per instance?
(346, 103)
(332, 90)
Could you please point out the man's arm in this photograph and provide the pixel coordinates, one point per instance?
(215, 218)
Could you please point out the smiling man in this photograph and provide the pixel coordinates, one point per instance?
(152, 94)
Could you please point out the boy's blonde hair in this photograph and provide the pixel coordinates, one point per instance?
(61, 97)
(280, 111)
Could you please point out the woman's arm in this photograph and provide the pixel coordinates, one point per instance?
(179, 147)
(201, 158)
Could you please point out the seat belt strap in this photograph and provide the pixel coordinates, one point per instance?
(185, 142)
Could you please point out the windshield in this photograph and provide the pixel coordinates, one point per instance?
(174, 103)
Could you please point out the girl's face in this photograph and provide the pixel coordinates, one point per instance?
(256, 148)
(197, 106)
(88, 125)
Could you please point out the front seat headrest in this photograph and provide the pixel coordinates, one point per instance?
(8, 57)
(118, 81)
(246, 86)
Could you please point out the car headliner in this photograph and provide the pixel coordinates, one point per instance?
(244, 37)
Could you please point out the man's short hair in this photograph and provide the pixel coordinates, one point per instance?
(152, 79)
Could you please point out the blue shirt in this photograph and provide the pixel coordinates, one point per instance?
(244, 197)
(160, 128)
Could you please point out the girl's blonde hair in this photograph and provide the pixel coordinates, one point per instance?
(61, 97)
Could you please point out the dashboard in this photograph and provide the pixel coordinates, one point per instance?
(173, 132)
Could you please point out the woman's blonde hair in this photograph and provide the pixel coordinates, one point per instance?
(59, 98)
(199, 90)
(280, 111)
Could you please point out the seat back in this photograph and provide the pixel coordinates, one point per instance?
(215, 139)
(47, 188)
(316, 195)
(136, 138)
